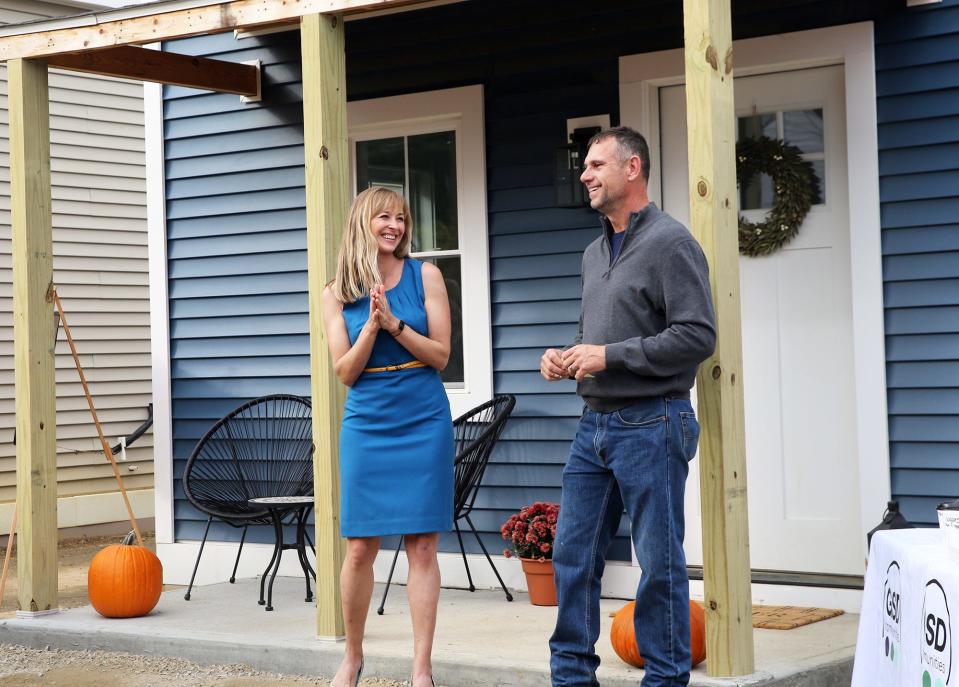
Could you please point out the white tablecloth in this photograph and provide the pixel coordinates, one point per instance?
(910, 607)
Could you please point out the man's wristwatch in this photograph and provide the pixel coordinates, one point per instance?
(399, 330)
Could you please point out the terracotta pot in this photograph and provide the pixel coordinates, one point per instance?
(539, 581)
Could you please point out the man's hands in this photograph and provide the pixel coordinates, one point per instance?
(551, 365)
(584, 360)
(577, 362)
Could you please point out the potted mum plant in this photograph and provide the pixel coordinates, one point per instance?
(531, 534)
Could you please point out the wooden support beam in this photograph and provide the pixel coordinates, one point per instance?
(143, 64)
(327, 202)
(34, 334)
(152, 26)
(722, 455)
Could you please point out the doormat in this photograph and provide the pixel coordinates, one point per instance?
(789, 617)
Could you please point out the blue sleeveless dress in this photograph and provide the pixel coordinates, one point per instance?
(396, 441)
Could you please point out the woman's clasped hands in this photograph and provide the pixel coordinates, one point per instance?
(381, 316)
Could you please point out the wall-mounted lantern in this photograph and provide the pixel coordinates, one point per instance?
(570, 192)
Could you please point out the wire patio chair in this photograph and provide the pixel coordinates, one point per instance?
(475, 435)
(262, 448)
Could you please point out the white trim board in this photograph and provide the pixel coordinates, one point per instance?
(91, 509)
(159, 311)
(852, 45)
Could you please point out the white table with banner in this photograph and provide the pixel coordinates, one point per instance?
(910, 606)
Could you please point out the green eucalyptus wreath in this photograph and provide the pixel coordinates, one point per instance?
(796, 187)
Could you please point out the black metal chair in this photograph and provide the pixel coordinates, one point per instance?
(475, 434)
(262, 448)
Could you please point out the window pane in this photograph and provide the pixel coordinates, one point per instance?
(433, 191)
(803, 129)
(758, 125)
(820, 167)
(757, 194)
(381, 163)
(450, 267)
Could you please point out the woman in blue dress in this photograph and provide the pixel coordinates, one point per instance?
(387, 322)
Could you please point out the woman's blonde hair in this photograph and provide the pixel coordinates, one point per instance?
(356, 267)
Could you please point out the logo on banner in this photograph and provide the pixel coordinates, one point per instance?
(936, 642)
(892, 612)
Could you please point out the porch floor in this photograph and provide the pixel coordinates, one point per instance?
(481, 639)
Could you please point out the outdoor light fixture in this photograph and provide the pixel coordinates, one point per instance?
(892, 519)
(570, 192)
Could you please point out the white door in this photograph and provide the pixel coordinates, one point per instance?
(801, 453)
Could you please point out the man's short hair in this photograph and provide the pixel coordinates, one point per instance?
(630, 143)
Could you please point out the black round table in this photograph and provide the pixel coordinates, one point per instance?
(279, 507)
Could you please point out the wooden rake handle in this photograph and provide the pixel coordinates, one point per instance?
(107, 451)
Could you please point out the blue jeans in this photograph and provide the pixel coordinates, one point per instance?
(636, 458)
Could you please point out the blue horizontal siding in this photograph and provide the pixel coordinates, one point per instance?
(233, 163)
(235, 207)
(918, 159)
(228, 225)
(538, 289)
(919, 293)
(921, 240)
(917, 61)
(924, 455)
(921, 347)
(918, 186)
(273, 303)
(246, 181)
(901, 108)
(923, 375)
(284, 344)
(921, 23)
(922, 320)
(924, 402)
(234, 142)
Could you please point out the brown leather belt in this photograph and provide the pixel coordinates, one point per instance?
(393, 368)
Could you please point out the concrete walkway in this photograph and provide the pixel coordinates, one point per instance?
(482, 641)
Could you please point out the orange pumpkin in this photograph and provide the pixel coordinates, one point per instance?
(124, 580)
(623, 635)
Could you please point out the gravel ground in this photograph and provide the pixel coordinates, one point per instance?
(24, 667)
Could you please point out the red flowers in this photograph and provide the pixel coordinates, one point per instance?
(531, 532)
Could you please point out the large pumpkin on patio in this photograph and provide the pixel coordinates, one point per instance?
(623, 635)
(125, 580)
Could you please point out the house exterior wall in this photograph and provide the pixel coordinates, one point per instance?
(238, 322)
(100, 268)
(917, 84)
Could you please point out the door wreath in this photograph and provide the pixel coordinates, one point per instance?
(795, 185)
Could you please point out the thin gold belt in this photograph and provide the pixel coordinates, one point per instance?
(392, 368)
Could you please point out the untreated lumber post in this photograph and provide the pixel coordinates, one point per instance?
(327, 200)
(33, 334)
(713, 212)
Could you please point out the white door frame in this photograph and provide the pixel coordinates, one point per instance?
(852, 45)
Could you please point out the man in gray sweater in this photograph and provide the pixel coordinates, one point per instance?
(646, 323)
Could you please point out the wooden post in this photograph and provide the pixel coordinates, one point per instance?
(33, 333)
(722, 462)
(327, 202)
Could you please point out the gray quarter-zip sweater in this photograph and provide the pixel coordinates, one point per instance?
(651, 308)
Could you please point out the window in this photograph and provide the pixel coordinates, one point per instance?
(800, 128)
(429, 147)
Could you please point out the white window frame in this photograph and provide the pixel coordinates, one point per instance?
(459, 110)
